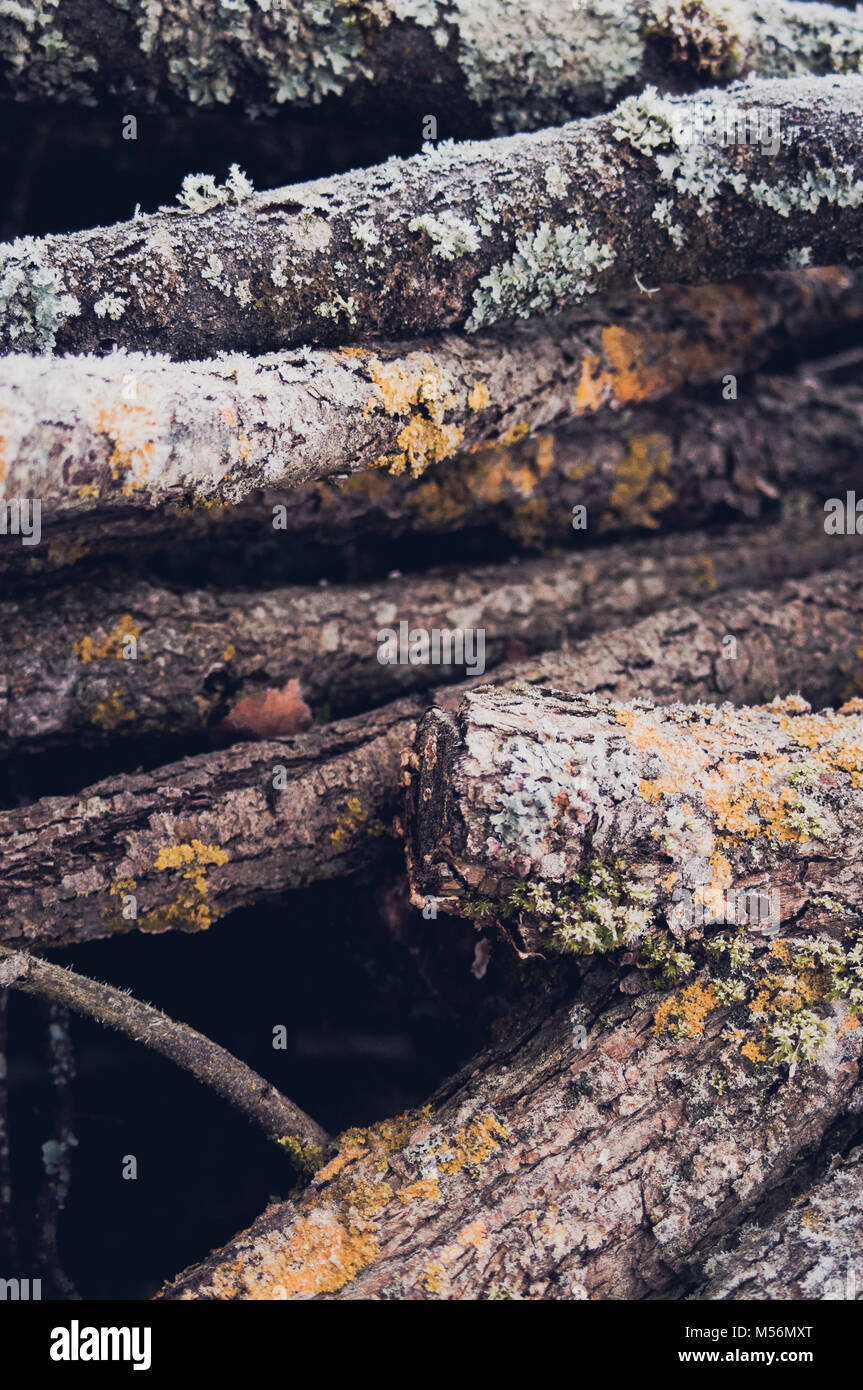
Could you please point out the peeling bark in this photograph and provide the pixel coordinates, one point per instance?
(551, 1170)
(195, 839)
(492, 67)
(521, 794)
(460, 237)
(810, 1251)
(87, 434)
(113, 660)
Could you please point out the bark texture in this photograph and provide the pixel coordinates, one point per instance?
(810, 1251)
(461, 236)
(114, 659)
(195, 839)
(85, 434)
(524, 801)
(597, 1165)
(497, 66)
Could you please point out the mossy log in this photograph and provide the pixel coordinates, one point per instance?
(114, 660)
(482, 67)
(193, 840)
(462, 237)
(583, 824)
(811, 1250)
(86, 435)
(599, 1159)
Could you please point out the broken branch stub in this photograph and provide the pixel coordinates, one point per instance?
(583, 825)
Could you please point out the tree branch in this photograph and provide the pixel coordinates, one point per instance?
(191, 841)
(84, 434)
(463, 237)
(510, 66)
(599, 1159)
(258, 1099)
(151, 658)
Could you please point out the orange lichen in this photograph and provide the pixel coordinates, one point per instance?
(132, 428)
(685, 1014)
(352, 821)
(423, 1190)
(110, 714)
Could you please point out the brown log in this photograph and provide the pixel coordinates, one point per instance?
(584, 824)
(93, 436)
(461, 237)
(195, 839)
(501, 66)
(580, 1165)
(811, 1250)
(113, 659)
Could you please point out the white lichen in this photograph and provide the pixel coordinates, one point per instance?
(201, 193)
(550, 269)
(451, 236)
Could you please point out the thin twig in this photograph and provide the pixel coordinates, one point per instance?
(56, 1153)
(8, 1238)
(280, 1119)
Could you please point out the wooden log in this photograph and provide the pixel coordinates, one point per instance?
(465, 236)
(189, 842)
(114, 660)
(810, 1250)
(597, 1160)
(89, 436)
(584, 824)
(500, 66)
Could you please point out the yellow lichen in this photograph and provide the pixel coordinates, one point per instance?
(640, 490)
(685, 1014)
(191, 909)
(110, 714)
(472, 1145)
(478, 397)
(351, 821)
(110, 647)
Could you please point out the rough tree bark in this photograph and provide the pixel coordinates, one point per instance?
(601, 1165)
(498, 66)
(118, 659)
(83, 434)
(462, 237)
(193, 840)
(810, 1251)
(520, 797)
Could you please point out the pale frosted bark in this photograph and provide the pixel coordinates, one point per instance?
(87, 434)
(497, 65)
(193, 840)
(461, 236)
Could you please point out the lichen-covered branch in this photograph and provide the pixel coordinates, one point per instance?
(83, 434)
(258, 1099)
(463, 236)
(584, 824)
(499, 65)
(149, 659)
(810, 1251)
(598, 1160)
(178, 847)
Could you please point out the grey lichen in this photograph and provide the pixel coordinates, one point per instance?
(451, 236)
(201, 193)
(33, 301)
(550, 269)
